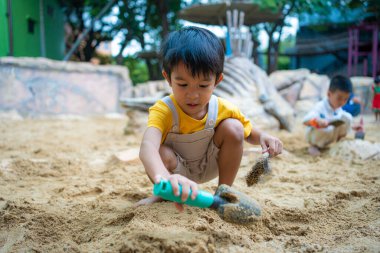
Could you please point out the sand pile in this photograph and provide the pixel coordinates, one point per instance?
(63, 189)
(356, 150)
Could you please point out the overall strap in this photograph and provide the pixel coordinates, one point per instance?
(212, 112)
(167, 100)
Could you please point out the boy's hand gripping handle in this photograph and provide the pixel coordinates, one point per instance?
(164, 190)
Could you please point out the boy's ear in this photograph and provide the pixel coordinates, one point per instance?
(220, 78)
(165, 75)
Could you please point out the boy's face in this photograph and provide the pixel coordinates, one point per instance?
(192, 93)
(337, 98)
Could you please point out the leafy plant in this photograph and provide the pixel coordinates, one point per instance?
(138, 70)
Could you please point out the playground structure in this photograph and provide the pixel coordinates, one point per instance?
(363, 44)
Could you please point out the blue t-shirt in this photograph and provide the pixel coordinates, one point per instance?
(351, 107)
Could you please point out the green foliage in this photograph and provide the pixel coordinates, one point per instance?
(287, 42)
(79, 15)
(147, 22)
(138, 70)
(322, 7)
(372, 7)
(284, 61)
(103, 59)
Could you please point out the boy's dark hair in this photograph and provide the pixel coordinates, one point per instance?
(341, 83)
(377, 79)
(199, 49)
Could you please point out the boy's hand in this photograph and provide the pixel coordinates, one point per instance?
(317, 123)
(322, 123)
(270, 144)
(356, 100)
(186, 184)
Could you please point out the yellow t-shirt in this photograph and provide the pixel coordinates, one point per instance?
(160, 116)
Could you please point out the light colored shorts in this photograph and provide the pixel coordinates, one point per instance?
(202, 170)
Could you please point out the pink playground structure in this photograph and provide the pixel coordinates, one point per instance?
(363, 45)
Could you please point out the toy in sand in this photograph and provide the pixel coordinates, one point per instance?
(336, 123)
(260, 168)
(359, 130)
(231, 205)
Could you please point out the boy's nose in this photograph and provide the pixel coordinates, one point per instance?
(192, 95)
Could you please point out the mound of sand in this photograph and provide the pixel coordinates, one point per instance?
(356, 149)
(63, 189)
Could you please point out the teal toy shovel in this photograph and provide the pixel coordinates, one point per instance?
(231, 205)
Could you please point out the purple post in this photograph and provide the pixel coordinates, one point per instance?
(350, 38)
(356, 49)
(374, 50)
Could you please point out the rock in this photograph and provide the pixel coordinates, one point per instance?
(282, 79)
(356, 149)
(128, 155)
(39, 86)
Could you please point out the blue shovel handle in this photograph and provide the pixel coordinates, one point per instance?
(164, 190)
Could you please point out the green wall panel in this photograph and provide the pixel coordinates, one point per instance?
(54, 30)
(26, 29)
(4, 39)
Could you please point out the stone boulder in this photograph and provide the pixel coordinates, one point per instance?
(39, 86)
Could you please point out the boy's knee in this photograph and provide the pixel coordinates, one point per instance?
(232, 129)
(168, 157)
(320, 137)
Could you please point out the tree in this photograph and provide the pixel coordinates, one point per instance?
(371, 7)
(287, 9)
(78, 16)
(148, 22)
(131, 24)
(294, 8)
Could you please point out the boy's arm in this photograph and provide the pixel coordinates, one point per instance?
(268, 143)
(309, 116)
(313, 118)
(150, 156)
(156, 170)
(254, 137)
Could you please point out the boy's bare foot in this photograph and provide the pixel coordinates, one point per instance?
(314, 151)
(148, 201)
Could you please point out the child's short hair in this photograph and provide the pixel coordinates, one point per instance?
(199, 49)
(341, 83)
(377, 79)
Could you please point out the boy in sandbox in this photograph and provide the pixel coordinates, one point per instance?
(328, 122)
(193, 136)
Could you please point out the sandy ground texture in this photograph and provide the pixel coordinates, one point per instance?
(63, 189)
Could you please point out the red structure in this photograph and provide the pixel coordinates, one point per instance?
(363, 44)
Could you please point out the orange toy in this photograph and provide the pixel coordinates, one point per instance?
(313, 122)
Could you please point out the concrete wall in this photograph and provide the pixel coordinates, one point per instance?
(38, 86)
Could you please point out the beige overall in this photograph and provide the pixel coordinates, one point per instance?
(196, 153)
(322, 137)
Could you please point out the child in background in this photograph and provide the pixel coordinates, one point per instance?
(193, 136)
(376, 98)
(321, 131)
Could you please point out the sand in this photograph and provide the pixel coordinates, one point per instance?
(63, 189)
